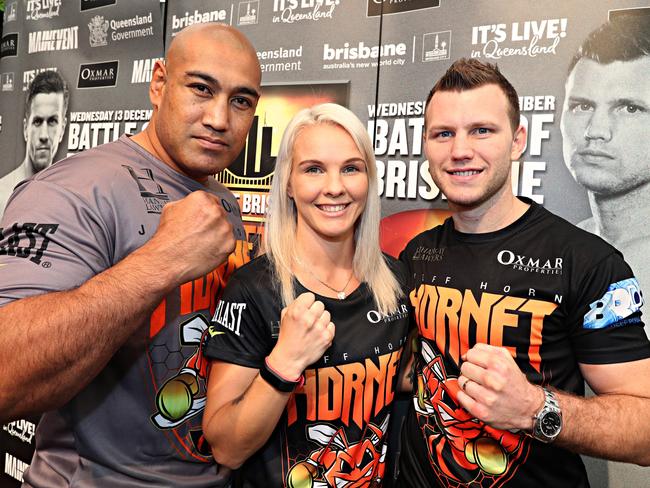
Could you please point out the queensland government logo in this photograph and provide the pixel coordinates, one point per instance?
(98, 74)
(121, 29)
(98, 28)
(379, 7)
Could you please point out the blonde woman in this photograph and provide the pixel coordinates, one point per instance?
(307, 338)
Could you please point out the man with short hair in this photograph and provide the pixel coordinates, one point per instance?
(43, 128)
(605, 120)
(518, 311)
(112, 262)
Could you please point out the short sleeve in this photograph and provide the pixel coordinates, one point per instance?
(241, 331)
(50, 240)
(606, 322)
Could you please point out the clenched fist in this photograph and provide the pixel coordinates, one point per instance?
(194, 237)
(306, 332)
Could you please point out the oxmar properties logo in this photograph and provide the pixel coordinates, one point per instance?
(98, 74)
(9, 45)
(290, 11)
(379, 7)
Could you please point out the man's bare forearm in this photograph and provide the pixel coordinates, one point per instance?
(610, 426)
(53, 345)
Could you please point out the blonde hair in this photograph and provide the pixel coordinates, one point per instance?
(369, 263)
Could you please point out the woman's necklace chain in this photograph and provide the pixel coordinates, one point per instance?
(340, 294)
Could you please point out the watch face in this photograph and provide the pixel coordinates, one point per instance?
(551, 424)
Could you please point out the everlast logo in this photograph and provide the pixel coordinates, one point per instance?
(398, 6)
(228, 314)
(91, 4)
(98, 74)
(27, 240)
(9, 46)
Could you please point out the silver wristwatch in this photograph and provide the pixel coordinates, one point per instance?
(547, 423)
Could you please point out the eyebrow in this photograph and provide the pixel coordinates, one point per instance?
(213, 81)
(318, 161)
(616, 101)
(630, 101)
(478, 123)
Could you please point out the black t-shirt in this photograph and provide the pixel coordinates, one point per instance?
(334, 427)
(552, 294)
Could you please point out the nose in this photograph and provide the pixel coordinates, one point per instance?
(461, 148)
(216, 114)
(599, 126)
(334, 184)
(42, 133)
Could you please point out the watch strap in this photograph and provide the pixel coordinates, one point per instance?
(551, 406)
(277, 381)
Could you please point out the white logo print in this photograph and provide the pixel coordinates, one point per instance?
(98, 31)
(528, 264)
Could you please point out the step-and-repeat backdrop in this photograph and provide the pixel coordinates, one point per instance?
(377, 57)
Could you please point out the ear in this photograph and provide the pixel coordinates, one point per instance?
(63, 126)
(25, 128)
(158, 80)
(518, 143)
(289, 190)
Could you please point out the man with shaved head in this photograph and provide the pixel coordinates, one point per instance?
(112, 262)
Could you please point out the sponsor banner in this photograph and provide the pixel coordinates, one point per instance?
(313, 51)
(103, 30)
(142, 69)
(9, 45)
(98, 74)
(11, 11)
(7, 81)
(184, 14)
(63, 39)
(91, 4)
(248, 12)
(386, 7)
(37, 10)
(14, 467)
(292, 11)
